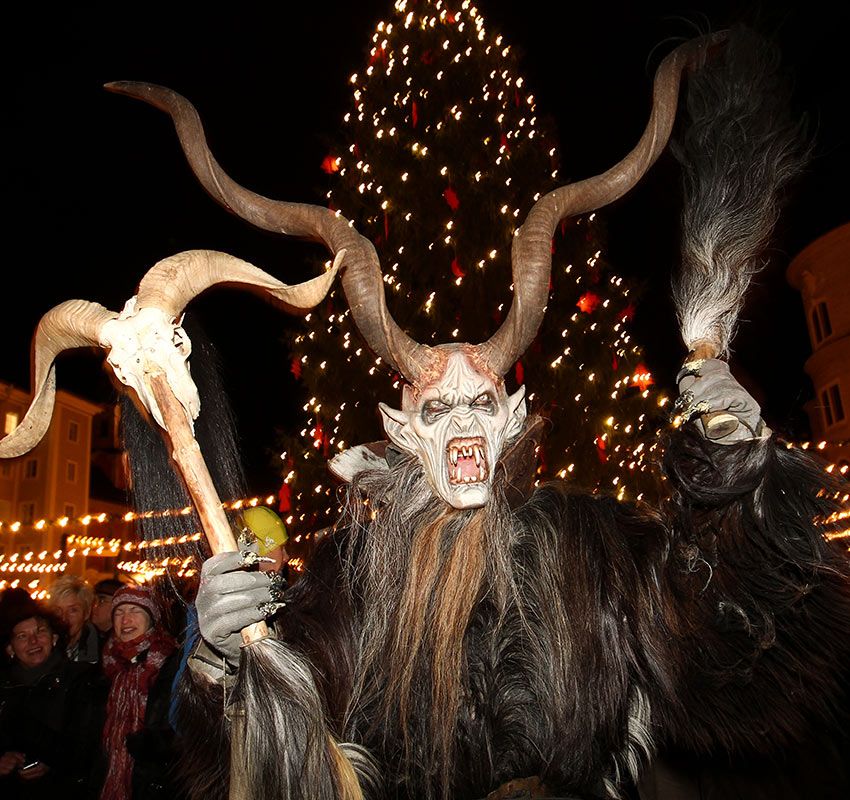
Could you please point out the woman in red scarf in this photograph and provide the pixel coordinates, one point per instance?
(140, 661)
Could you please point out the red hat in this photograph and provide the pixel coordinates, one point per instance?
(138, 596)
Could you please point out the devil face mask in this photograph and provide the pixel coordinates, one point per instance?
(457, 417)
(457, 426)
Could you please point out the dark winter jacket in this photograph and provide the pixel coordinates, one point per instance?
(50, 713)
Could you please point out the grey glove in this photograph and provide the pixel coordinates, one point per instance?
(707, 387)
(231, 598)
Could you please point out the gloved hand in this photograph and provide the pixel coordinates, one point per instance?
(707, 386)
(231, 598)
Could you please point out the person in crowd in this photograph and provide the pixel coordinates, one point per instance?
(101, 610)
(50, 712)
(71, 599)
(11, 600)
(140, 660)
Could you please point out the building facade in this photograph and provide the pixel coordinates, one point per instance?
(821, 273)
(45, 494)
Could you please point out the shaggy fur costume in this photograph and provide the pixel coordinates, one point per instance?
(549, 635)
(568, 637)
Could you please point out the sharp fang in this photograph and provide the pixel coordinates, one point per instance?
(477, 451)
(458, 476)
(453, 455)
(480, 473)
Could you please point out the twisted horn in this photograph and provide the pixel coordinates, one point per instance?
(74, 323)
(531, 254)
(362, 280)
(171, 284)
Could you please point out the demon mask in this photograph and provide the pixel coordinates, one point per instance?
(457, 426)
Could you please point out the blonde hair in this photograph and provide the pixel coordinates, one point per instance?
(72, 585)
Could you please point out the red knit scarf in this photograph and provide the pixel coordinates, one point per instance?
(132, 667)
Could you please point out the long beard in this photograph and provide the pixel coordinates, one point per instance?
(418, 570)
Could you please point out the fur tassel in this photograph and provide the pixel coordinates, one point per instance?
(740, 148)
(288, 751)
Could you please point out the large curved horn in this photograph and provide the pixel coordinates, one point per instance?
(361, 279)
(531, 254)
(172, 283)
(74, 323)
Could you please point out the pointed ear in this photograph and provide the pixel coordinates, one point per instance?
(517, 412)
(408, 397)
(397, 427)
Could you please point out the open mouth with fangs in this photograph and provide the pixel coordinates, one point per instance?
(467, 460)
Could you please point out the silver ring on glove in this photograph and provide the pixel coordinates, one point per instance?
(270, 608)
(248, 558)
(277, 586)
(690, 368)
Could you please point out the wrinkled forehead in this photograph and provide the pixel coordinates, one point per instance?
(461, 378)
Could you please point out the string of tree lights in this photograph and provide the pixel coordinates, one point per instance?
(142, 560)
(16, 526)
(130, 516)
(439, 159)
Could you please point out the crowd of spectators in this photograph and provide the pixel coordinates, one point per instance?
(85, 693)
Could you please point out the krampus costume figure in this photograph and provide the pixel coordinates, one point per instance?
(464, 633)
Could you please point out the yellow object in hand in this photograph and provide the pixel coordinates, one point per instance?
(267, 526)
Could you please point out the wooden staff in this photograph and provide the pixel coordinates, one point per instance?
(193, 469)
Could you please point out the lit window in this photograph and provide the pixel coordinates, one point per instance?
(11, 421)
(71, 471)
(73, 432)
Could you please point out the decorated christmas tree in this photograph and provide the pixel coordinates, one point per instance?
(437, 162)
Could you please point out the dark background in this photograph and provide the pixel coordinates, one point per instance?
(97, 189)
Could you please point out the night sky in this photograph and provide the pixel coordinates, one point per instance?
(97, 189)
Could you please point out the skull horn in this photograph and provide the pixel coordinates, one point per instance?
(169, 286)
(74, 323)
(361, 279)
(531, 255)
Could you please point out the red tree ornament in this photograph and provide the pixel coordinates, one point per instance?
(642, 377)
(284, 497)
(457, 270)
(331, 164)
(451, 198)
(588, 302)
(600, 449)
(295, 367)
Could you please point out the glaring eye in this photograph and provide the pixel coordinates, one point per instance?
(433, 410)
(484, 402)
